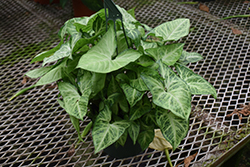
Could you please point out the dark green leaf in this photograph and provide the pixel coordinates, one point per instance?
(75, 123)
(122, 140)
(134, 130)
(145, 138)
(138, 110)
(98, 83)
(115, 88)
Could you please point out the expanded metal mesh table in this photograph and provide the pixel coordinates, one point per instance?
(36, 131)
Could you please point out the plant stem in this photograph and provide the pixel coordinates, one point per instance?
(234, 17)
(168, 157)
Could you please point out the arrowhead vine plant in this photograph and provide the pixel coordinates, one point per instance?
(125, 91)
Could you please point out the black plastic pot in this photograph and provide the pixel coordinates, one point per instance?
(128, 150)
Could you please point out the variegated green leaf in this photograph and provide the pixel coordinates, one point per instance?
(48, 53)
(74, 104)
(85, 83)
(133, 33)
(145, 138)
(148, 45)
(173, 128)
(138, 84)
(64, 51)
(100, 60)
(38, 72)
(174, 94)
(104, 133)
(196, 83)
(187, 57)
(134, 130)
(132, 95)
(53, 75)
(168, 53)
(171, 31)
(138, 110)
(121, 42)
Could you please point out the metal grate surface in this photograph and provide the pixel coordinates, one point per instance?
(35, 131)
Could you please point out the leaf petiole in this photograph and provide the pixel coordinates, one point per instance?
(168, 157)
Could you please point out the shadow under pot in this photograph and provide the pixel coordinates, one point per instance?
(128, 150)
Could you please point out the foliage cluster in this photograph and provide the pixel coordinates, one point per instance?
(124, 90)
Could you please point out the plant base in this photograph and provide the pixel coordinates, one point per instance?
(128, 150)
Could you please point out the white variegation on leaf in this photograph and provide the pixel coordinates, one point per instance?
(132, 95)
(64, 51)
(100, 60)
(177, 96)
(173, 128)
(187, 57)
(168, 53)
(196, 83)
(105, 133)
(171, 31)
(74, 104)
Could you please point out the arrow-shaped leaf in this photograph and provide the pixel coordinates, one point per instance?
(177, 96)
(104, 133)
(134, 130)
(187, 57)
(132, 95)
(173, 128)
(196, 83)
(171, 31)
(100, 60)
(74, 104)
(168, 53)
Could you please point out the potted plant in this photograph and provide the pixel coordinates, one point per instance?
(126, 92)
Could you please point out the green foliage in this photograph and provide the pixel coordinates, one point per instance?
(129, 93)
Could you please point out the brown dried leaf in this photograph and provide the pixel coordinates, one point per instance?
(160, 143)
(188, 160)
(246, 2)
(204, 8)
(236, 31)
(71, 150)
(25, 79)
